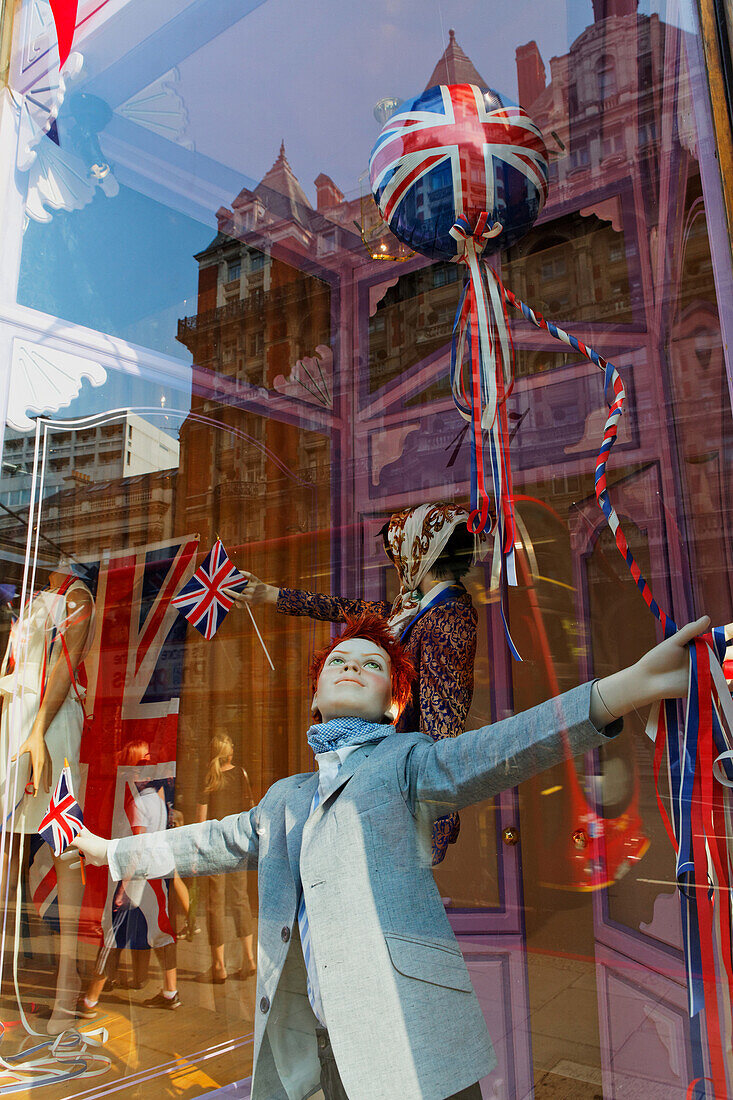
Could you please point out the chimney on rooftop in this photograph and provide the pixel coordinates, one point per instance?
(531, 77)
(603, 9)
(328, 194)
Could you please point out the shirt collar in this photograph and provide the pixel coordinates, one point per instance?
(434, 592)
(330, 764)
(336, 754)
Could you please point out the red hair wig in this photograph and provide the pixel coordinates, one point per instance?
(374, 628)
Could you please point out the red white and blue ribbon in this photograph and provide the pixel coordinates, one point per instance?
(699, 757)
(482, 358)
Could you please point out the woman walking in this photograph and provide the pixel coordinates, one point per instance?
(227, 791)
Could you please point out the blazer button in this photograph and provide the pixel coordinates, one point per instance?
(285, 934)
(265, 1004)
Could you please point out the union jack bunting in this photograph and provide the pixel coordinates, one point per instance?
(64, 819)
(206, 600)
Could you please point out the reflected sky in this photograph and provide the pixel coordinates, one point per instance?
(123, 266)
(311, 73)
(306, 73)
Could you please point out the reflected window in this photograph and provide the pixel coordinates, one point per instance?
(648, 132)
(612, 144)
(554, 268)
(573, 99)
(580, 155)
(606, 77)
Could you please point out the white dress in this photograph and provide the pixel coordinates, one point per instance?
(36, 644)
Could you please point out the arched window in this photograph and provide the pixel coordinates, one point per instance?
(606, 76)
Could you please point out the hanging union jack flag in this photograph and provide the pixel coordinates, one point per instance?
(207, 598)
(64, 819)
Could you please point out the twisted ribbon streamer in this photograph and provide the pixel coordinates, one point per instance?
(481, 328)
(699, 768)
(700, 756)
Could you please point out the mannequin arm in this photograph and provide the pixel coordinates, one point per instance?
(459, 771)
(257, 591)
(209, 848)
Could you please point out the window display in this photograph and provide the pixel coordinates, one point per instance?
(302, 310)
(347, 850)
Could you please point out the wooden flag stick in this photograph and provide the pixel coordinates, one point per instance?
(254, 624)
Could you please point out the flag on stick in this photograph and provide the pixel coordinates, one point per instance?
(64, 819)
(207, 598)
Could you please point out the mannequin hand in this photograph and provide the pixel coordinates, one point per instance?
(255, 592)
(35, 745)
(664, 670)
(93, 848)
(120, 900)
(662, 673)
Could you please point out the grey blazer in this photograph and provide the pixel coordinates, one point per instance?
(402, 1016)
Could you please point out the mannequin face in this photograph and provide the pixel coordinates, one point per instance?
(355, 682)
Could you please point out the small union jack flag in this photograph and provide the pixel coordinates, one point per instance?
(206, 599)
(64, 819)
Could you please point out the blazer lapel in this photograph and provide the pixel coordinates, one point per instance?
(296, 814)
(346, 771)
(297, 807)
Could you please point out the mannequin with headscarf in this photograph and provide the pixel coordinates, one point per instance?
(433, 616)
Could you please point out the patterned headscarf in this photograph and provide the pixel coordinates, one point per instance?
(416, 539)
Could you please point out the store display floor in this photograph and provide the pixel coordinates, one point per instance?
(207, 1043)
(204, 1044)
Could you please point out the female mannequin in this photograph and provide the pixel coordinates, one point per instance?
(41, 726)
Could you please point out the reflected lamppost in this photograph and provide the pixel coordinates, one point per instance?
(386, 107)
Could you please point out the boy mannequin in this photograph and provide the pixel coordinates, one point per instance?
(433, 616)
(349, 849)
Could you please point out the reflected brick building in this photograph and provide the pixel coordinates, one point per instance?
(262, 482)
(322, 403)
(337, 363)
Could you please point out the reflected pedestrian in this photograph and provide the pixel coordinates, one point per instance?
(227, 791)
(139, 917)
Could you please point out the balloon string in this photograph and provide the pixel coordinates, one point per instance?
(615, 398)
(700, 824)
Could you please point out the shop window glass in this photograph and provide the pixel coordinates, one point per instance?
(208, 334)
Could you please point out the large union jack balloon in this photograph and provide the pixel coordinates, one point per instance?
(458, 151)
(457, 173)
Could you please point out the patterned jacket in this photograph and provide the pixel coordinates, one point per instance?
(443, 646)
